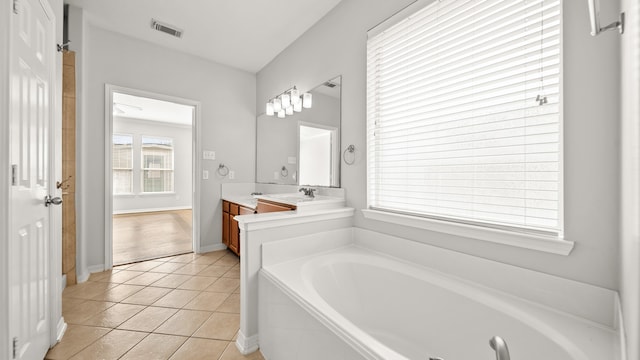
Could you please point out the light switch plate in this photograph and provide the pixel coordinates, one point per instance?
(232, 175)
(208, 155)
(292, 160)
(205, 174)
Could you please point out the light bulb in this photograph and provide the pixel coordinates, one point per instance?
(289, 110)
(297, 107)
(295, 96)
(286, 100)
(277, 105)
(281, 113)
(306, 100)
(270, 110)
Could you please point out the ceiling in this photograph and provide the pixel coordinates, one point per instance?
(137, 107)
(245, 34)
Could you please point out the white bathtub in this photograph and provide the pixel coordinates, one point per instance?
(381, 307)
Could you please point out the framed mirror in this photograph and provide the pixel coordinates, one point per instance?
(303, 148)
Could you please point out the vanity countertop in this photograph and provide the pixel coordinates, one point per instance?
(245, 201)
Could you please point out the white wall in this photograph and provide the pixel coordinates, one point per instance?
(630, 237)
(227, 98)
(182, 174)
(337, 45)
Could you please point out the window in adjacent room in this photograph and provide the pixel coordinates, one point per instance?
(157, 164)
(464, 115)
(122, 164)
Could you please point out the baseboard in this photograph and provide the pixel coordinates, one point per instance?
(63, 282)
(210, 248)
(61, 328)
(137, 211)
(247, 345)
(620, 327)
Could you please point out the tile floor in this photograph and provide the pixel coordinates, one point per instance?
(181, 307)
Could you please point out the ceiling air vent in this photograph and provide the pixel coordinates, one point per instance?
(166, 28)
(330, 84)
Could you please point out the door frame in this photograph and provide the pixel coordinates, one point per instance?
(109, 89)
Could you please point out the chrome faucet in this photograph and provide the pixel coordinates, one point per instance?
(500, 346)
(308, 191)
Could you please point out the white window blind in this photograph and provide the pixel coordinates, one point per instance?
(157, 164)
(122, 158)
(464, 114)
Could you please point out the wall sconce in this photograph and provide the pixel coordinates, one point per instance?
(288, 103)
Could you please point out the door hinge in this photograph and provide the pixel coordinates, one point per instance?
(15, 6)
(15, 347)
(14, 175)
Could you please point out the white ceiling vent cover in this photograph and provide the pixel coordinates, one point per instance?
(166, 28)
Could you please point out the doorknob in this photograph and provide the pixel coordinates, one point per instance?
(48, 200)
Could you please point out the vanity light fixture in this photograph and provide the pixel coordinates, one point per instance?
(270, 111)
(277, 105)
(288, 102)
(306, 100)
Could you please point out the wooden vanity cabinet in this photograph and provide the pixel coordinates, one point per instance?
(230, 229)
(265, 206)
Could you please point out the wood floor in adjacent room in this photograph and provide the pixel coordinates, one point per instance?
(150, 235)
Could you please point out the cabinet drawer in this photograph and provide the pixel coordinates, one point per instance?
(225, 206)
(234, 209)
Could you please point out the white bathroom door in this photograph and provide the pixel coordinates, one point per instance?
(32, 58)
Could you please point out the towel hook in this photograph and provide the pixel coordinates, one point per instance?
(284, 172)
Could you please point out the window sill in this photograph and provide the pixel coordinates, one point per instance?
(542, 243)
(157, 193)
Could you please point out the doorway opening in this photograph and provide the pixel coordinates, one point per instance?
(151, 146)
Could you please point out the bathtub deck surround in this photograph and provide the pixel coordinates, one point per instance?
(441, 300)
(259, 229)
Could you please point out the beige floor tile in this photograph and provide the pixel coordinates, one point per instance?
(147, 296)
(171, 281)
(205, 260)
(76, 338)
(197, 283)
(232, 353)
(231, 305)
(114, 316)
(228, 260)
(85, 310)
(176, 298)
(148, 319)
(121, 267)
(184, 323)
(168, 267)
(200, 349)
(233, 273)
(224, 285)
(214, 270)
(216, 254)
(155, 346)
(207, 301)
(118, 293)
(104, 274)
(111, 346)
(146, 278)
(69, 304)
(87, 290)
(190, 269)
(121, 277)
(219, 326)
(145, 265)
(185, 258)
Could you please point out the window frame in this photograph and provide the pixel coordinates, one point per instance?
(483, 230)
(143, 169)
(113, 169)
